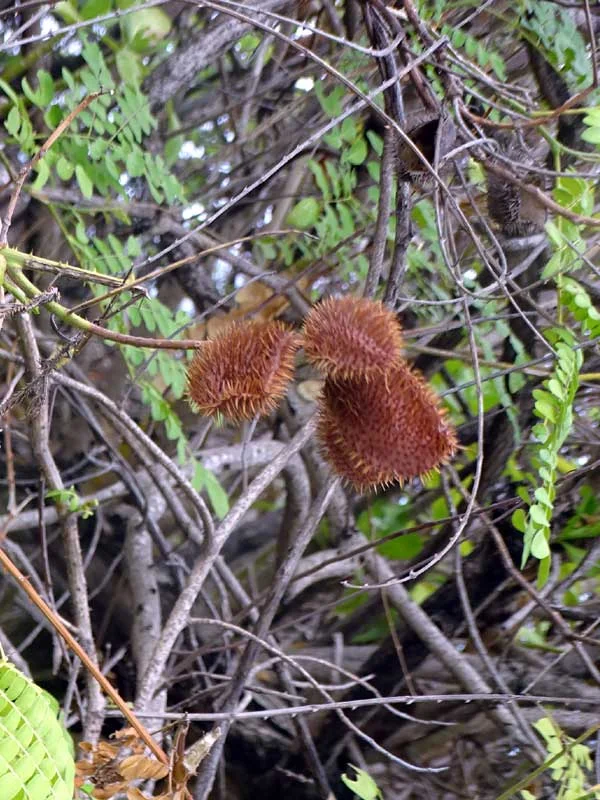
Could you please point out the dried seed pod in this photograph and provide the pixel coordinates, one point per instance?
(351, 337)
(516, 212)
(389, 429)
(244, 371)
(427, 129)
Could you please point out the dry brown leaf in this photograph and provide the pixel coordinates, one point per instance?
(253, 294)
(128, 735)
(256, 300)
(140, 767)
(101, 752)
(109, 791)
(195, 754)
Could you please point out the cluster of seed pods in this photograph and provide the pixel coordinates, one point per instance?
(379, 421)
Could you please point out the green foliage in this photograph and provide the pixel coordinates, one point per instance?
(424, 257)
(476, 50)
(70, 499)
(383, 518)
(584, 522)
(204, 479)
(145, 28)
(554, 407)
(552, 29)
(304, 214)
(105, 142)
(332, 211)
(104, 151)
(576, 299)
(577, 195)
(592, 120)
(571, 760)
(36, 752)
(362, 785)
(535, 637)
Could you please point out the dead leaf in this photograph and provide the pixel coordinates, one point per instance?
(140, 767)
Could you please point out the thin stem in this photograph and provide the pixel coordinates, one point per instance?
(86, 326)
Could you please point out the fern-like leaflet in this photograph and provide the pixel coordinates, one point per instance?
(554, 406)
(577, 300)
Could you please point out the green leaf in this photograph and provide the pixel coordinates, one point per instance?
(45, 92)
(95, 8)
(545, 405)
(545, 474)
(542, 496)
(134, 316)
(85, 184)
(404, 547)
(217, 496)
(335, 178)
(36, 752)
(591, 135)
(357, 152)
(97, 149)
(66, 10)
(374, 170)
(133, 247)
(13, 121)
(64, 169)
(346, 220)
(129, 66)
(545, 727)
(376, 142)
(320, 179)
(330, 103)
(518, 520)
(304, 214)
(204, 479)
(148, 316)
(541, 432)
(538, 515)
(43, 173)
(349, 130)
(363, 785)
(145, 28)
(539, 546)
(555, 387)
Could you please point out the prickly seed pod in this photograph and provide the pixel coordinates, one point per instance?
(388, 430)
(516, 212)
(351, 337)
(244, 371)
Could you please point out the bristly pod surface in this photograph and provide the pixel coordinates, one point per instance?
(389, 429)
(36, 752)
(244, 371)
(352, 337)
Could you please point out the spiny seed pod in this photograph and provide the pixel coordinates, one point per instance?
(352, 337)
(244, 371)
(389, 429)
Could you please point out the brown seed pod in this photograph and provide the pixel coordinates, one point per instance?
(427, 130)
(244, 371)
(389, 429)
(352, 337)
